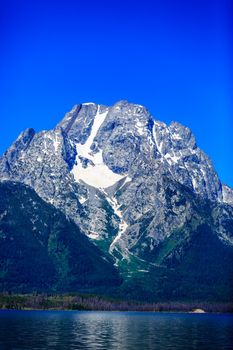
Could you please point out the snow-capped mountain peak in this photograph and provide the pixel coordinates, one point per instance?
(125, 178)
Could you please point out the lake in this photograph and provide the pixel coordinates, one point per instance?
(114, 330)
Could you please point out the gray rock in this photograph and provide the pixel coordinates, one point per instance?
(126, 179)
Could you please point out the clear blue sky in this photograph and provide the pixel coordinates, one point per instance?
(174, 57)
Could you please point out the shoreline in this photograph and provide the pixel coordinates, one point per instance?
(85, 302)
(133, 311)
(120, 311)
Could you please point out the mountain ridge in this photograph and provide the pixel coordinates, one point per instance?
(137, 188)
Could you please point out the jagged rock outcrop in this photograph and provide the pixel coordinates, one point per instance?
(227, 194)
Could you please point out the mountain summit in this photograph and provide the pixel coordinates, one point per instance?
(141, 190)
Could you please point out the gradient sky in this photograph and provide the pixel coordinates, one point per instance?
(174, 57)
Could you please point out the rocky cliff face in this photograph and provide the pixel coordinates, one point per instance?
(130, 182)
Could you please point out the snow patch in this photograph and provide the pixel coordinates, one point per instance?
(158, 144)
(203, 173)
(176, 136)
(194, 182)
(122, 228)
(127, 179)
(140, 127)
(82, 199)
(113, 203)
(171, 159)
(143, 271)
(93, 235)
(56, 143)
(96, 173)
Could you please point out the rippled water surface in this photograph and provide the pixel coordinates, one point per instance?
(114, 330)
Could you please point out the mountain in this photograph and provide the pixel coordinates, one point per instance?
(42, 250)
(140, 190)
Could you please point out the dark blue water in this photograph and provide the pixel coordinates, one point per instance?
(114, 330)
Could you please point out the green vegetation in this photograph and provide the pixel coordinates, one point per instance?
(40, 250)
(133, 267)
(201, 270)
(168, 246)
